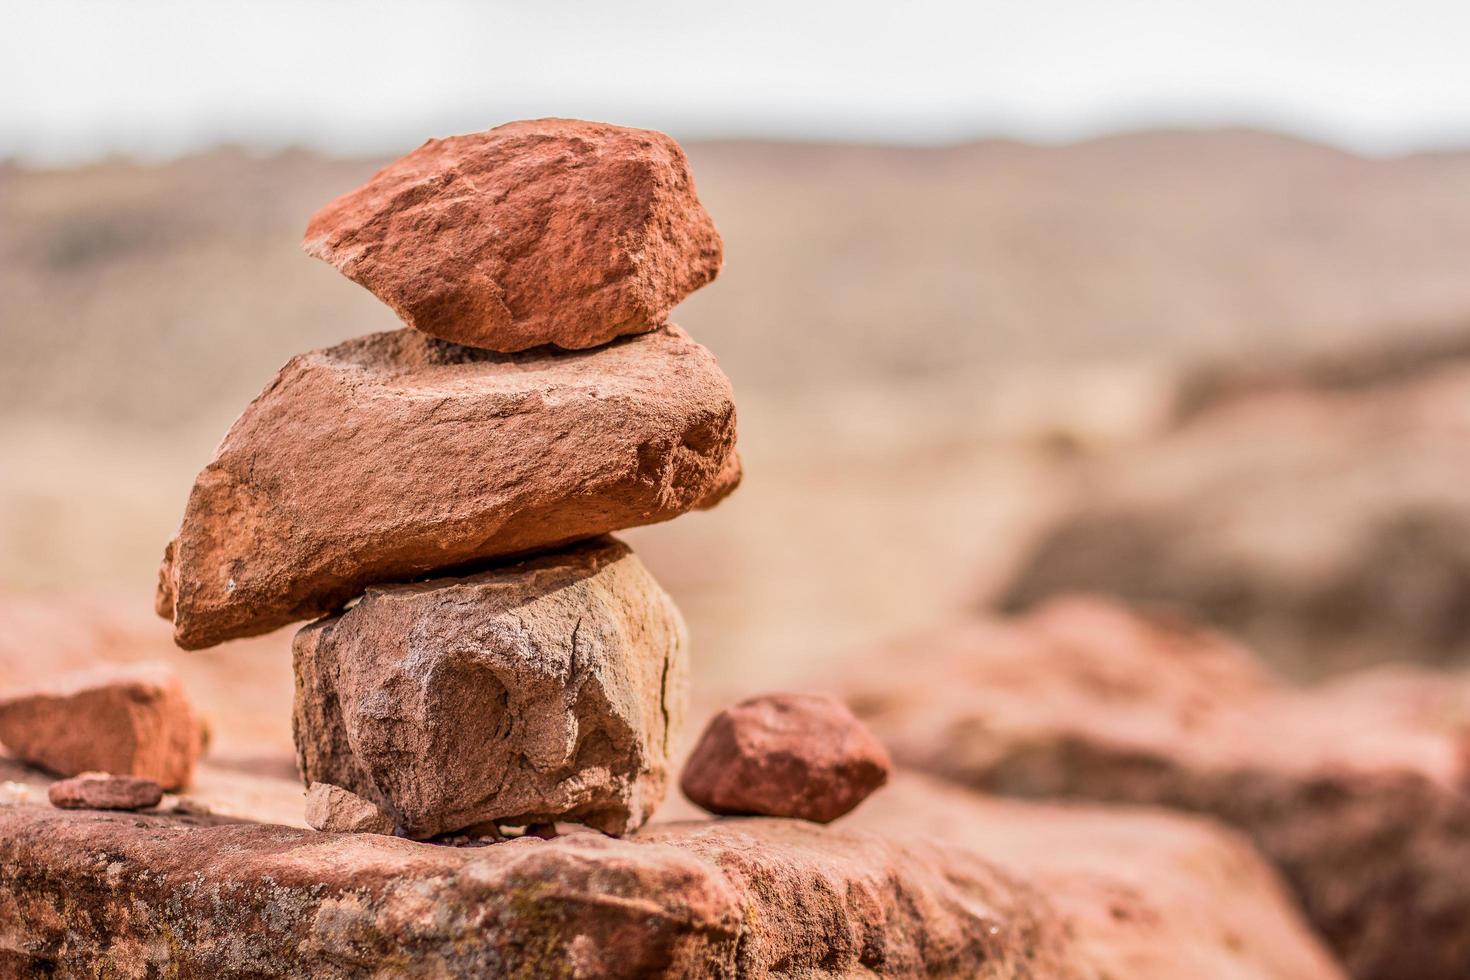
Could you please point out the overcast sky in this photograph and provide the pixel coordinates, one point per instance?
(158, 77)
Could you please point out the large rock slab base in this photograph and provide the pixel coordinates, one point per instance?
(94, 894)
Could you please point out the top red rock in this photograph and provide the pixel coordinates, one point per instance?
(548, 231)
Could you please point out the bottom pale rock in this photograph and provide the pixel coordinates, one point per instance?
(550, 689)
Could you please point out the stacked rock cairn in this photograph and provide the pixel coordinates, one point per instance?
(484, 658)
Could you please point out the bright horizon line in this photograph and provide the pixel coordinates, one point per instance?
(164, 146)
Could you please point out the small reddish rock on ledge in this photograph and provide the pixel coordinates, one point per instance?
(546, 231)
(785, 755)
(101, 791)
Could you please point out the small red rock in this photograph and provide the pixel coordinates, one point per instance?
(547, 231)
(785, 755)
(132, 720)
(102, 791)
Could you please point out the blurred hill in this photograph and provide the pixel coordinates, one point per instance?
(914, 335)
(846, 263)
(1320, 516)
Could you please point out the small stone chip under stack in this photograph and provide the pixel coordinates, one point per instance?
(441, 494)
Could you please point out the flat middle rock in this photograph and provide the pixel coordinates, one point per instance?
(394, 455)
(547, 690)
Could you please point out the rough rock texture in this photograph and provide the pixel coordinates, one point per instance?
(785, 755)
(336, 810)
(95, 894)
(1147, 894)
(130, 720)
(545, 690)
(977, 887)
(394, 455)
(548, 231)
(1323, 521)
(1356, 789)
(101, 791)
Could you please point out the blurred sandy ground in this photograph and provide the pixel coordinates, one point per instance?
(922, 342)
